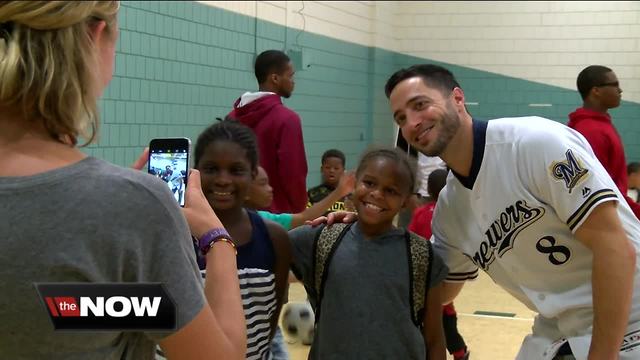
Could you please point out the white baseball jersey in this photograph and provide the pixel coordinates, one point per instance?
(532, 184)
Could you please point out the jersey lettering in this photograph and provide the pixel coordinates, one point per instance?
(337, 206)
(503, 231)
(547, 245)
(570, 171)
(630, 341)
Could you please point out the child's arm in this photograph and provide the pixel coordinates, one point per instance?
(345, 187)
(433, 331)
(302, 241)
(450, 291)
(282, 249)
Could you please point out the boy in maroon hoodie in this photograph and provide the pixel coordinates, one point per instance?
(278, 130)
(600, 91)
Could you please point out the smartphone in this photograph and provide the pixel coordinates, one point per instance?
(169, 161)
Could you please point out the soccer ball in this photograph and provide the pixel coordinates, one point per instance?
(298, 321)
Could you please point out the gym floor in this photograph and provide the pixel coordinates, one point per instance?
(490, 320)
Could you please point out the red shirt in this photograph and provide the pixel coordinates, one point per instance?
(605, 141)
(421, 220)
(278, 130)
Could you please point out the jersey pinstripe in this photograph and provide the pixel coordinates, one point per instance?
(536, 183)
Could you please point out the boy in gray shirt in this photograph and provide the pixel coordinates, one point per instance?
(366, 306)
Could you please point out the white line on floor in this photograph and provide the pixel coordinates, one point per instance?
(496, 317)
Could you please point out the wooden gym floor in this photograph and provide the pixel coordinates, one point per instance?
(497, 335)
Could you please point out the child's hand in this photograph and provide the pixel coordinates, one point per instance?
(349, 206)
(347, 183)
(334, 217)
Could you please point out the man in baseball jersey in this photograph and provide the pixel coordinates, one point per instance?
(528, 203)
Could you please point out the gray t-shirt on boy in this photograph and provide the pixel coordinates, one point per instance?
(89, 222)
(365, 311)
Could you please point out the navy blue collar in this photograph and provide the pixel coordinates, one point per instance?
(479, 139)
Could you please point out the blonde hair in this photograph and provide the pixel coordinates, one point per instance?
(48, 62)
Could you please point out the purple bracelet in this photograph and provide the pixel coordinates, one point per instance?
(210, 237)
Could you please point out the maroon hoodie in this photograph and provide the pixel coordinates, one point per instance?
(279, 133)
(597, 128)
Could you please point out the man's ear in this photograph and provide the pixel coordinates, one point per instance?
(458, 96)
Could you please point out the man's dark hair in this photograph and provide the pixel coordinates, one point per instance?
(334, 153)
(590, 77)
(633, 167)
(269, 62)
(432, 75)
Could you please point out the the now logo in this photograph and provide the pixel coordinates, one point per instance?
(120, 306)
(116, 306)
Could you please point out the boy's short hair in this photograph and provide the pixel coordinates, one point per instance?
(393, 154)
(269, 62)
(590, 77)
(436, 182)
(633, 167)
(333, 153)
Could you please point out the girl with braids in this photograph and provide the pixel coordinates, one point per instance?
(68, 217)
(226, 155)
(367, 284)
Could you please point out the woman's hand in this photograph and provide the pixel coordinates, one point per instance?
(142, 160)
(197, 211)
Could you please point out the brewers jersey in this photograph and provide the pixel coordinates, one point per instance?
(532, 184)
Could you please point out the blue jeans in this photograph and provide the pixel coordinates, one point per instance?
(278, 347)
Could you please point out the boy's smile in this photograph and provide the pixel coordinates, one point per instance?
(381, 191)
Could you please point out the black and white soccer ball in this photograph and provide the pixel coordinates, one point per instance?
(298, 321)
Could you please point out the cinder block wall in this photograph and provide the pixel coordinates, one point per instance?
(181, 64)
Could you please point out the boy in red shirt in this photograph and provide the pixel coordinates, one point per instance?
(421, 225)
(600, 90)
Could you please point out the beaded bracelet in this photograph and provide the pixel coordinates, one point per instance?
(211, 237)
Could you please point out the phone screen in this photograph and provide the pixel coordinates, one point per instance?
(169, 161)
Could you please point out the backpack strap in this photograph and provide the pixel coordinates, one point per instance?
(420, 255)
(324, 246)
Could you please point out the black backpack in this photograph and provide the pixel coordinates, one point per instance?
(419, 252)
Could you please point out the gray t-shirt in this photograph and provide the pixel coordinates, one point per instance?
(365, 307)
(89, 222)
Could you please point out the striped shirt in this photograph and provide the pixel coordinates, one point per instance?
(256, 263)
(257, 288)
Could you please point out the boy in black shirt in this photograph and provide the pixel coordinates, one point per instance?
(333, 162)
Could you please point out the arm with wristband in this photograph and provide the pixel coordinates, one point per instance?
(223, 320)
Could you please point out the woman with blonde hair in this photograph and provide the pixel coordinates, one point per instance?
(67, 217)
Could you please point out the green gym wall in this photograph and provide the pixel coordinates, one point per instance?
(179, 65)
